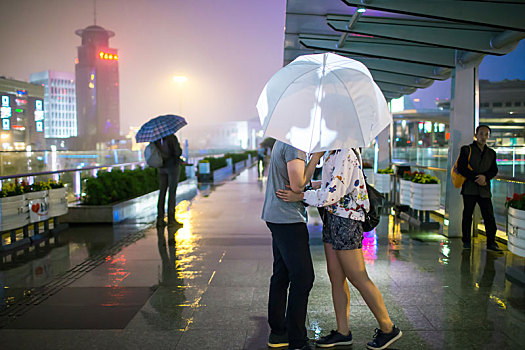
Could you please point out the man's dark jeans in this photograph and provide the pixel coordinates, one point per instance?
(293, 268)
(487, 212)
(168, 178)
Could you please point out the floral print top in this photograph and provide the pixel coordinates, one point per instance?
(343, 190)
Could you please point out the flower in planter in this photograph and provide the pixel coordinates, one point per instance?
(422, 178)
(409, 175)
(54, 184)
(517, 201)
(12, 189)
(385, 171)
(39, 186)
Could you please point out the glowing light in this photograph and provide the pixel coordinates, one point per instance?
(180, 79)
(91, 86)
(101, 54)
(361, 10)
(106, 56)
(5, 136)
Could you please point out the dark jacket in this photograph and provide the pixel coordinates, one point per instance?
(482, 163)
(170, 150)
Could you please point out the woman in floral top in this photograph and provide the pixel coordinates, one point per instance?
(342, 191)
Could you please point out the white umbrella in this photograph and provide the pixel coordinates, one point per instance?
(322, 102)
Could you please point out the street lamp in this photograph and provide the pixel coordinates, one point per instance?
(180, 79)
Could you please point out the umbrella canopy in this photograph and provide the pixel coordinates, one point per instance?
(160, 127)
(321, 102)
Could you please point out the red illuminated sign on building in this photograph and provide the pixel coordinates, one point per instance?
(107, 56)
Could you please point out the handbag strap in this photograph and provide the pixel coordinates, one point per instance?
(359, 159)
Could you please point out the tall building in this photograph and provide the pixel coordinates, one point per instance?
(97, 88)
(22, 115)
(60, 103)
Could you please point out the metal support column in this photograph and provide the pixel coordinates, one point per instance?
(464, 116)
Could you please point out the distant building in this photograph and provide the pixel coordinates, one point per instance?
(227, 136)
(60, 103)
(22, 115)
(97, 88)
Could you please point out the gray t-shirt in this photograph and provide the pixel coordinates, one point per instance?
(276, 210)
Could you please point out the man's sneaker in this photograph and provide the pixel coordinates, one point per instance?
(384, 340)
(306, 347)
(494, 247)
(334, 339)
(277, 341)
(466, 245)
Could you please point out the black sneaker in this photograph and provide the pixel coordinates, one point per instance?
(384, 340)
(277, 341)
(334, 339)
(306, 347)
(466, 245)
(494, 247)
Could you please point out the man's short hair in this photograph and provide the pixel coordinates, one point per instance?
(483, 126)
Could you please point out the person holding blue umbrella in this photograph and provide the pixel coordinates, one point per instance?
(160, 131)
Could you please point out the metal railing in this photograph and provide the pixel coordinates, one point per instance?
(71, 178)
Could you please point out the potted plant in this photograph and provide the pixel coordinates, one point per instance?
(425, 192)
(516, 220)
(57, 198)
(37, 201)
(405, 184)
(382, 180)
(13, 209)
(368, 170)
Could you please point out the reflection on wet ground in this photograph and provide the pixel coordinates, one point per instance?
(204, 285)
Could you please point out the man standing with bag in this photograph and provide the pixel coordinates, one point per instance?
(170, 150)
(476, 188)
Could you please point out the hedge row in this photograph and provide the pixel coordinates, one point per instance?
(118, 185)
(217, 163)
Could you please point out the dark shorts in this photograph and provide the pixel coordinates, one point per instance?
(342, 233)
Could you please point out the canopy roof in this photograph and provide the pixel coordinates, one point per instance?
(406, 44)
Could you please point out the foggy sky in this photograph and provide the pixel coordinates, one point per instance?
(227, 49)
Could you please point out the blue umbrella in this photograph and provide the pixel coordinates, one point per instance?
(160, 127)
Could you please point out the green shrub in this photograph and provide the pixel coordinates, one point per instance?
(215, 163)
(236, 157)
(118, 185)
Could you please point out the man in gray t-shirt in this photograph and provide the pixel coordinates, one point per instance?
(292, 262)
(276, 210)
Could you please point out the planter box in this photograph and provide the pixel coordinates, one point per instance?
(383, 183)
(14, 212)
(38, 204)
(516, 231)
(370, 176)
(142, 206)
(57, 202)
(222, 173)
(240, 166)
(404, 192)
(425, 196)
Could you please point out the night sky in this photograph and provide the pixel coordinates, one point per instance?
(228, 49)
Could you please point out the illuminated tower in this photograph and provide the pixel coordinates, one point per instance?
(97, 88)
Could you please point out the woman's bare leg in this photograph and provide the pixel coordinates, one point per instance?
(353, 264)
(340, 290)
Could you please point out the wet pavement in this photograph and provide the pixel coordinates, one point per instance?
(205, 285)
